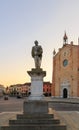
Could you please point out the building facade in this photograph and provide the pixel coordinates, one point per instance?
(2, 90)
(47, 88)
(65, 77)
(19, 89)
(25, 89)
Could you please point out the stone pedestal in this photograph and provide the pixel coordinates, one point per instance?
(32, 106)
(37, 76)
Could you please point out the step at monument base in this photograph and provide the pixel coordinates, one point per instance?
(35, 127)
(34, 118)
(33, 121)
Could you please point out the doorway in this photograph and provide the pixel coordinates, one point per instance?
(65, 93)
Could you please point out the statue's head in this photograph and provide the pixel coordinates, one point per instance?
(36, 42)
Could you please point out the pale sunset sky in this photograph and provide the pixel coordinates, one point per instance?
(24, 21)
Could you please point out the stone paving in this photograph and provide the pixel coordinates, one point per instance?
(71, 119)
(6, 116)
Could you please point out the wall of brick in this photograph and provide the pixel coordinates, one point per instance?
(66, 73)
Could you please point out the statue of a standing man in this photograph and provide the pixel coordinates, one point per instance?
(37, 54)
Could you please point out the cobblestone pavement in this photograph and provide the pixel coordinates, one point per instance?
(6, 116)
(71, 119)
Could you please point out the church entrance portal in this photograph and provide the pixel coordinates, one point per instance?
(65, 93)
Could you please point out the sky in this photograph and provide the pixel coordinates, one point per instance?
(24, 21)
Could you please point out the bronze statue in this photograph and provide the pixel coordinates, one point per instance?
(37, 54)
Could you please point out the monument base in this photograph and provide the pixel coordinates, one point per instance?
(32, 106)
(36, 116)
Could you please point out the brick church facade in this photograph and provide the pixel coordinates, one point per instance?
(65, 77)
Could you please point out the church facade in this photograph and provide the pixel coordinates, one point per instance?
(65, 77)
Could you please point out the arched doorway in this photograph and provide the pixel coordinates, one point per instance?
(65, 93)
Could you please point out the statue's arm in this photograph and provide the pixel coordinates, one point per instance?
(32, 52)
(40, 50)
